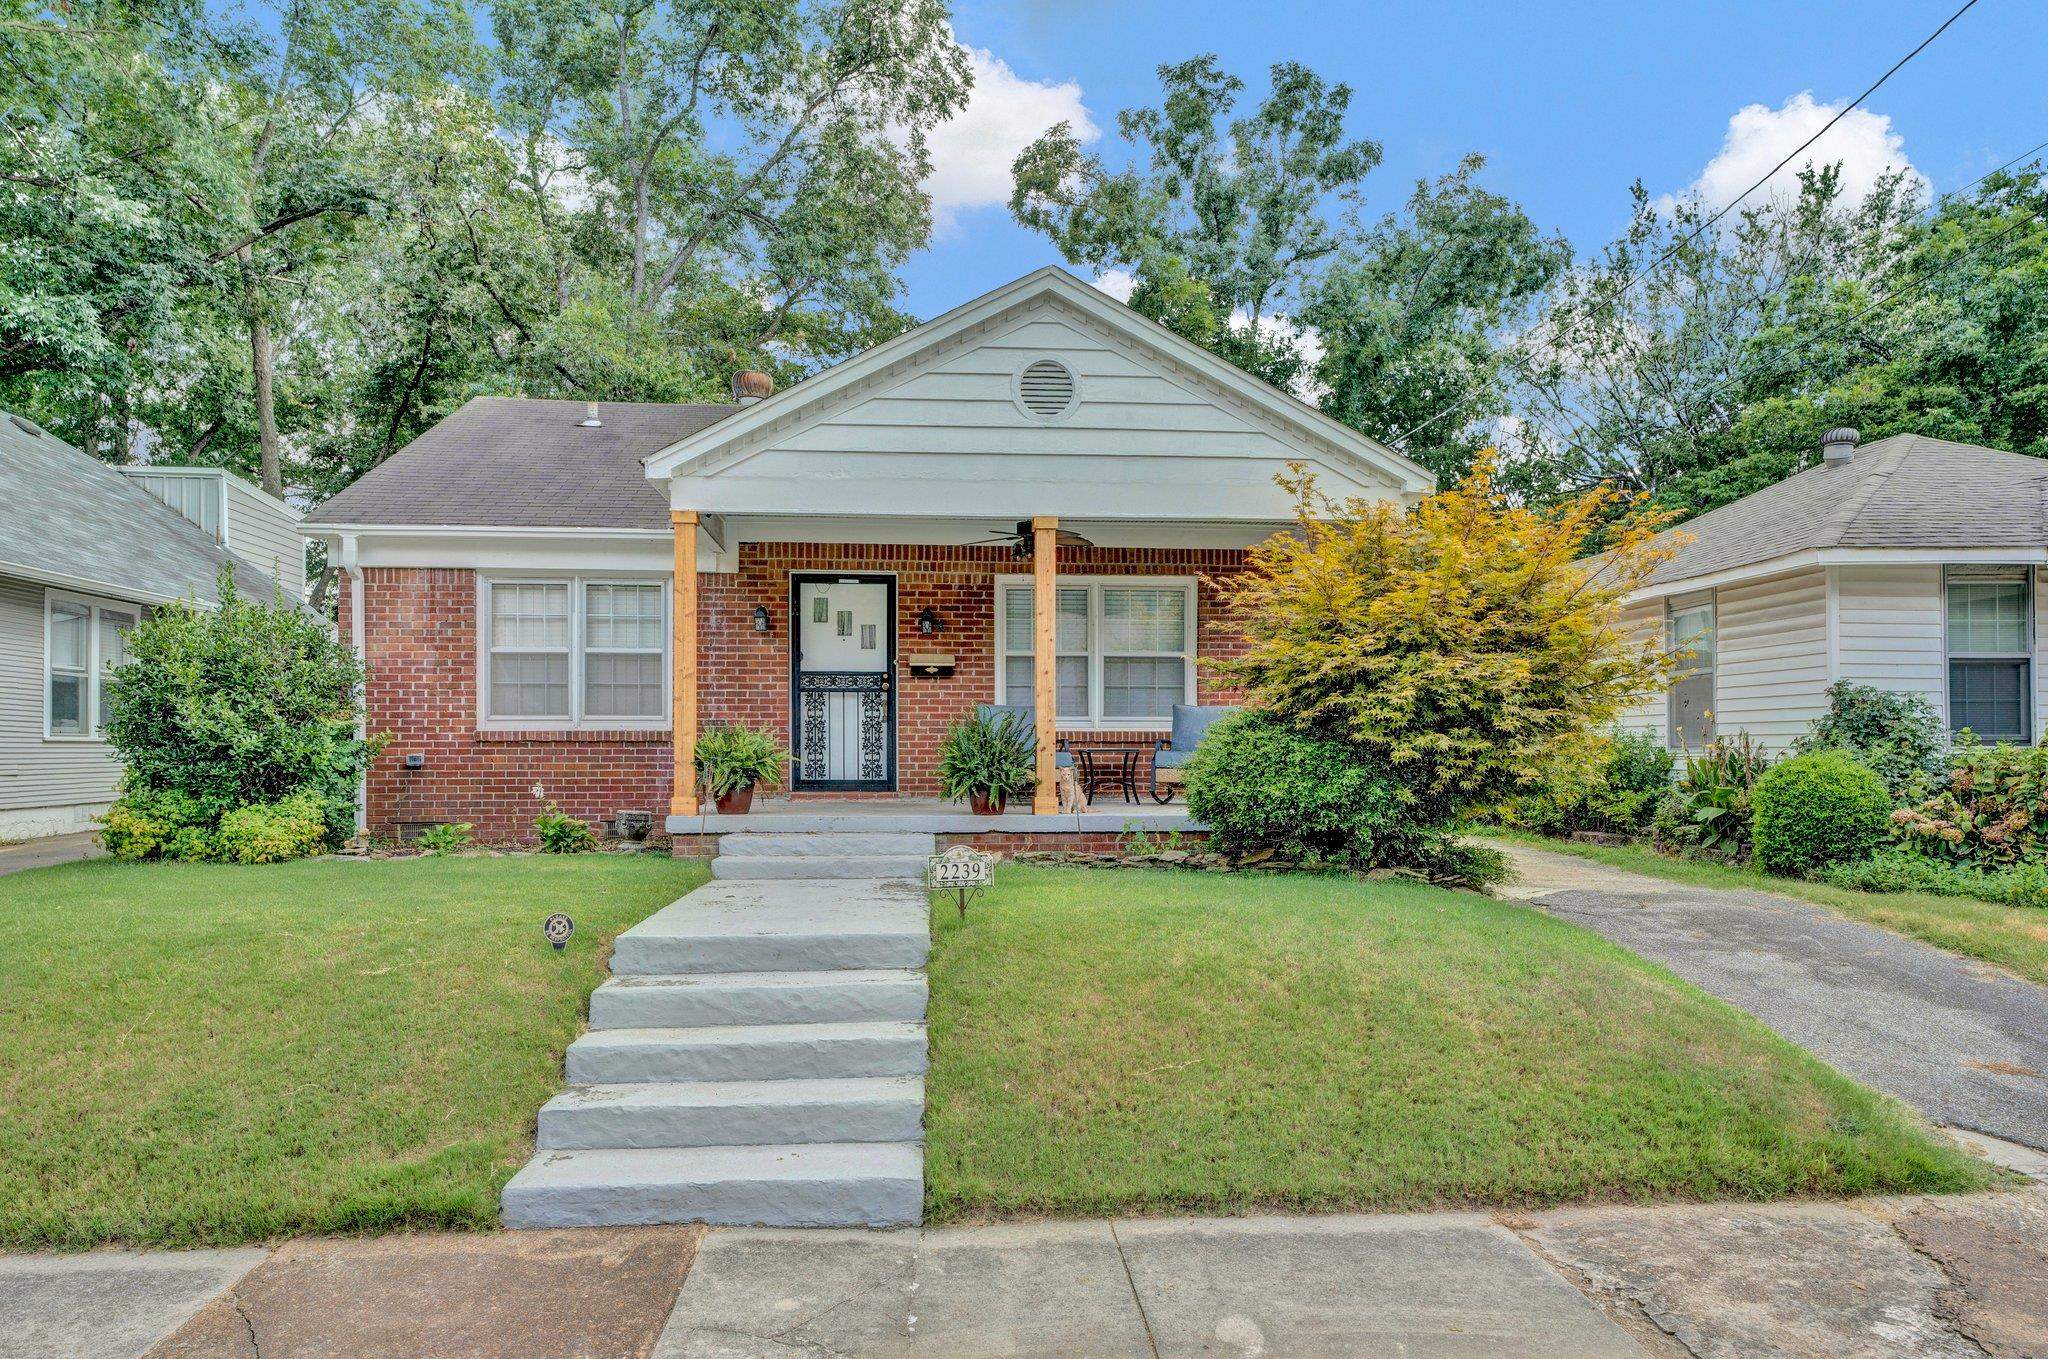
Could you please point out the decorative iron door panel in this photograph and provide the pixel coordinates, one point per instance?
(842, 681)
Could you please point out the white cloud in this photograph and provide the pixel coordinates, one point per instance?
(1759, 137)
(1118, 283)
(971, 154)
(1307, 342)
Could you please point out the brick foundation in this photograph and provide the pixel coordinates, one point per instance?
(421, 637)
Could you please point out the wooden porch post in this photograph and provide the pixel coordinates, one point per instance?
(1044, 656)
(683, 800)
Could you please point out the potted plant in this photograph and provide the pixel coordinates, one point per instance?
(734, 760)
(986, 762)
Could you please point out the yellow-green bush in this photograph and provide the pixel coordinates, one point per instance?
(272, 832)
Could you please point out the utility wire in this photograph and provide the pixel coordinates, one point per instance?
(1400, 440)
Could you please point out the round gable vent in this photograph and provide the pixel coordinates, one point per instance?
(1046, 389)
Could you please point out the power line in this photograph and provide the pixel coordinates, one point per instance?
(1400, 440)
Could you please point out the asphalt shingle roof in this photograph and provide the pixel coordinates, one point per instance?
(65, 513)
(1908, 491)
(520, 463)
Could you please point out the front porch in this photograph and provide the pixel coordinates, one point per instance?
(1099, 828)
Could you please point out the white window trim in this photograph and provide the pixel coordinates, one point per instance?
(90, 699)
(1709, 603)
(2028, 579)
(575, 720)
(1095, 720)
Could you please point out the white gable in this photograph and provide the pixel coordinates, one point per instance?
(932, 424)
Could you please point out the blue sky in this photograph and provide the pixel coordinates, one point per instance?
(1568, 101)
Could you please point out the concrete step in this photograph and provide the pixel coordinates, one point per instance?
(787, 844)
(824, 1184)
(827, 866)
(748, 1052)
(780, 927)
(735, 1113)
(701, 998)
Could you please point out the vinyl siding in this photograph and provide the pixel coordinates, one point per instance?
(1771, 657)
(35, 772)
(1649, 714)
(266, 535)
(1889, 630)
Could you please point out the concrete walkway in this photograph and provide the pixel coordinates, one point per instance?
(1963, 1042)
(50, 849)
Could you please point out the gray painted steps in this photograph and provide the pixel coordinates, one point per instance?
(792, 926)
(792, 844)
(715, 1113)
(803, 866)
(823, 1184)
(764, 1052)
(702, 998)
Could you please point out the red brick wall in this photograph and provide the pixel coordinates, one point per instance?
(421, 637)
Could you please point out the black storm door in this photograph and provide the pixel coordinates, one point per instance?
(842, 680)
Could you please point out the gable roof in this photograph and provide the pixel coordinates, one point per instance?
(1298, 416)
(70, 520)
(1903, 493)
(514, 462)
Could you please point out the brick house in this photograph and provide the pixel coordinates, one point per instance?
(548, 592)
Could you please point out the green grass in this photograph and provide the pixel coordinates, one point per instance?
(2014, 937)
(1130, 1041)
(201, 1054)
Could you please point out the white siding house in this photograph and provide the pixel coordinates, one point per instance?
(260, 529)
(1912, 565)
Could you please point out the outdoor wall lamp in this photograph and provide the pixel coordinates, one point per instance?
(760, 618)
(929, 622)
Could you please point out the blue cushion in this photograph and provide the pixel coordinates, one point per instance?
(1171, 759)
(1191, 721)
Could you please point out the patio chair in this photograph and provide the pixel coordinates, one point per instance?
(1190, 721)
(1065, 781)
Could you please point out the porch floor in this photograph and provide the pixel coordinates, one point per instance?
(934, 816)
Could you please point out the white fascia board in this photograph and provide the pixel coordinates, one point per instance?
(473, 547)
(325, 531)
(1409, 476)
(1840, 556)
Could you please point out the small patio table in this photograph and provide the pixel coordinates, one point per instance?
(1108, 767)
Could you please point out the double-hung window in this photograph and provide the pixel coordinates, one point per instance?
(1125, 648)
(1990, 652)
(574, 652)
(1690, 718)
(84, 640)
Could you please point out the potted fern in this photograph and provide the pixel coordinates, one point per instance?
(986, 762)
(734, 760)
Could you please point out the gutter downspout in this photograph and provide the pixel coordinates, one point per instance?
(354, 571)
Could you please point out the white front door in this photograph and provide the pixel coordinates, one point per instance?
(845, 703)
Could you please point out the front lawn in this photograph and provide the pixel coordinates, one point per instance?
(201, 1054)
(1117, 1041)
(2014, 937)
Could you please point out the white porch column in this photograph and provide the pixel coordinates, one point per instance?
(1044, 657)
(683, 706)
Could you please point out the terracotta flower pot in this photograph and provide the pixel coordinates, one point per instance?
(737, 801)
(981, 804)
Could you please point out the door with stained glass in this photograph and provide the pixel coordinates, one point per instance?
(842, 682)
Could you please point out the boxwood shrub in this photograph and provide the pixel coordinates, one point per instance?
(1260, 786)
(1818, 809)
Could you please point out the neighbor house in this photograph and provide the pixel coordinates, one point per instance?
(1910, 564)
(85, 550)
(556, 597)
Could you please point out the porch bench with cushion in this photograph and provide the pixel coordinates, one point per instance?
(1190, 722)
(1027, 717)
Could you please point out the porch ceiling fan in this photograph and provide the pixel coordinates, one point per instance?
(1020, 539)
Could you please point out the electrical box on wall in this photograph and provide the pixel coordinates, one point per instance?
(930, 664)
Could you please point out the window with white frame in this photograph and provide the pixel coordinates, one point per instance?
(1990, 652)
(84, 639)
(574, 652)
(1125, 648)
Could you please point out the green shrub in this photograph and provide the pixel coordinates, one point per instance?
(994, 758)
(563, 834)
(447, 838)
(1262, 787)
(1898, 735)
(272, 832)
(192, 845)
(1615, 789)
(1708, 813)
(1818, 809)
(142, 823)
(1991, 809)
(732, 757)
(1900, 870)
(242, 705)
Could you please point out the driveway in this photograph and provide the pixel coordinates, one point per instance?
(51, 849)
(1959, 1040)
